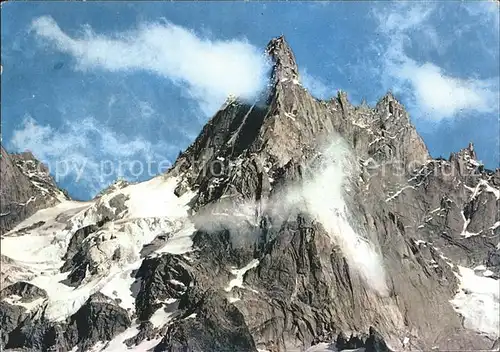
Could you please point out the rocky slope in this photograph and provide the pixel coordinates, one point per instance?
(290, 224)
(25, 188)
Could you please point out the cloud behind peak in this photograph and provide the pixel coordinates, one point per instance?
(209, 70)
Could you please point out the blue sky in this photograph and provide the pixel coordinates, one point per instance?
(108, 89)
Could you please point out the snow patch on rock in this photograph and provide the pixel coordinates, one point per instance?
(118, 343)
(164, 314)
(483, 184)
(479, 302)
(239, 273)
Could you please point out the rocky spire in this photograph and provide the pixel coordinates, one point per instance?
(465, 154)
(292, 121)
(391, 107)
(285, 66)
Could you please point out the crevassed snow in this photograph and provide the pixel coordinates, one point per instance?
(239, 273)
(62, 300)
(49, 215)
(37, 253)
(151, 208)
(128, 237)
(65, 302)
(156, 198)
(119, 287)
(478, 301)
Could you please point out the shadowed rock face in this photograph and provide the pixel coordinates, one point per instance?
(315, 220)
(25, 188)
(97, 320)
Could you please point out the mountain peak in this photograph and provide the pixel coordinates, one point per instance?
(466, 153)
(390, 104)
(465, 159)
(285, 66)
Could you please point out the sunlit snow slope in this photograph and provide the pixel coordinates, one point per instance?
(135, 215)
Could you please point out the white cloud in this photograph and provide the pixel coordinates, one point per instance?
(435, 94)
(443, 96)
(209, 69)
(89, 153)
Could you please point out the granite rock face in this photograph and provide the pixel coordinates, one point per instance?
(305, 222)
(25, 188)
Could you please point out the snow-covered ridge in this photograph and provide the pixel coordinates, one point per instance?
(133, 216)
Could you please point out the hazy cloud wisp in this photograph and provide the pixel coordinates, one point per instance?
(90, 153)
